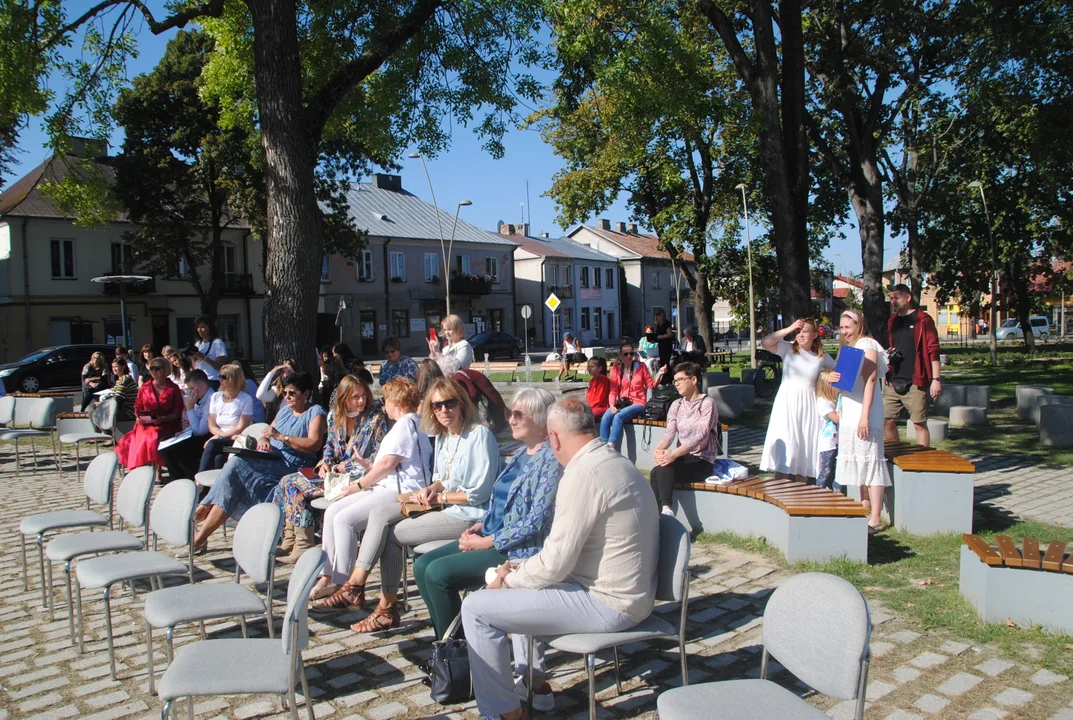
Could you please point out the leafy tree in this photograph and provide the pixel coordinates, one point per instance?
(323, 72)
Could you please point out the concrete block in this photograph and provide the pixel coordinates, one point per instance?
(936, 427)
(728, 402)
(978, 395)
(1056, 425)
(952, 394)
(1026, 399)
(967, 416)
(714, 378)
(1027, 597)
(747, 375)
(1042, 400)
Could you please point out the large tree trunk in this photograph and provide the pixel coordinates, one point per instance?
(866, 196)
(1019, 279)
(294, 235)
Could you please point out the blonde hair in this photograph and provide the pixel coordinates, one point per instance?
(862, 326)
(817, 344)
(824, 388)
(454, 324)
(96, 361)
(346, 388)
(447, 389)
(236, 376)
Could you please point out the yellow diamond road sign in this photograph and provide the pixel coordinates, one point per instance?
(553, 302)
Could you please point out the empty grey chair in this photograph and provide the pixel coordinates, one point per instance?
(78, 431)
(254, 548)
(827, 651)
(132, 504)
(98, 488)
(171, 518)
(672, 585)
(40, 419)
(7, 411)
(250, 667)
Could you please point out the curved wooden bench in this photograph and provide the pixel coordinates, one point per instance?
(932, 489)
(639, 442)
(806, 523)
(555, 366)
(1020, 584)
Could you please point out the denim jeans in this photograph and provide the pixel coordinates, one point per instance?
(611, 423)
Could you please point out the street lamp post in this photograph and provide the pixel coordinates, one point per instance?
(752, 302)
(994, 271)
(450, 249)
(439, 227)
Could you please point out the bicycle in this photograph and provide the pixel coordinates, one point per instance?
(768, 374)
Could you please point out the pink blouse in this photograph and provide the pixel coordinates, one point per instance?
(696, 422)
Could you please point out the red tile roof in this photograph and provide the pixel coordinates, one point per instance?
(850, 281)
(640, 244)
(535, 246)
(841, 292)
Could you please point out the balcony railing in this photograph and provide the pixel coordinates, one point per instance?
(563, 292)
(139, 288)
(237, 284)
(471, 285)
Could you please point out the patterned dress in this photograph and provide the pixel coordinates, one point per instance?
(404, 368)
(295, 491)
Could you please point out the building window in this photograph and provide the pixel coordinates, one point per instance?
(325, 274)
(230, 264)
(462, 264)
(597, 278)
(365, 266)
(63, 258)
(585, 318)
(609, 278)
(948, 315)
(398, 267)
(183, 269)
(568, 319)
(555, 275)
(491, 268)
(691, 316)
(122, 258)
(584, 279)
(657, 280)
(400, 323)
(597, 316)
(612, 331)
(432, 267)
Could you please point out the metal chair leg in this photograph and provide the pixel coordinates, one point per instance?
(51, 594)
(25, 575)
(242, 624)
(149, 655)
(56, 455)
(70, 606)
(190, 707)
(18, 461)
(108, 629)
(590, 666)
(81, 628)
(78, 461)
(618, 681)
(305, 691)
(169, 648)
(529, 679)
(165, 709)
(41, 565)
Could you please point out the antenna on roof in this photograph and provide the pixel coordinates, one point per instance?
(527, 205)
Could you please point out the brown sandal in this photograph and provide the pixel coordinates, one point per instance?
(346, 597)
(380, 619)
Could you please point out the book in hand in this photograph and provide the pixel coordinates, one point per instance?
(254, 453)
(175, 439)
(848, 366)
(413, 509)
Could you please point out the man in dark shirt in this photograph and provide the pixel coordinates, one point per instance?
(914, 374)
(664, 339)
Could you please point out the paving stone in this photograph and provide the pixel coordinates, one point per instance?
(878, 689)
(987, 713)
(55, 713)
(383, 712)
(903, 715)
(905, 674)
(845, 710)
(757, 573)
(951, 647)
(959, 684)
(931, 703)
(880, 618)
(994, 667)
(1063, 714)
(708, 615)
(879, 649)
(1013, 697)
(903, 637)
(928, 660)
(40, 702)
(1046, 677)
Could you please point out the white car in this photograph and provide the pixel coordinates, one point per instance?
(1011, 329)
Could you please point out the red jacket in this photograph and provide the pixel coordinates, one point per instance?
(926, 342)
(598, 394)
(635, 387)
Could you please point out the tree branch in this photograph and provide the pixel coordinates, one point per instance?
(722, 25)
(210, 8)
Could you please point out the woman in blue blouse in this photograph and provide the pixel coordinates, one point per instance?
(296, 435)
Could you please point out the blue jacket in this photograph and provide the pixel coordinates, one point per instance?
(530, 505)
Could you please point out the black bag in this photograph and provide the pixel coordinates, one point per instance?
(447, 671)
(622, 402)
(659, 405)
(901, 385)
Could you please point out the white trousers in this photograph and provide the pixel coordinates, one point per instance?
(343, 520)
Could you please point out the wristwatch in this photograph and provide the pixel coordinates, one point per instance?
(286, 439)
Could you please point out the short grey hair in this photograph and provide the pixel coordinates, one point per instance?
(574, 415)
(533, 402)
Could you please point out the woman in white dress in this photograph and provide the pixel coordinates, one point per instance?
(860, 429)
(791, 449)
(458, 354)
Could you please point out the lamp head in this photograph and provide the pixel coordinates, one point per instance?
(740, 186)
(464, 203)
(976, 185)
(414, 156)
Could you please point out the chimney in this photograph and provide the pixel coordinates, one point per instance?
(633, 228)
(620, 227)
(89, 148)
(385, 181)
(505, 229)
(545, 235)
(605, 224)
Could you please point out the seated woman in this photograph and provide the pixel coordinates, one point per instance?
(694, 419)
(630, 383)
(428, 372)
(125, 389)
(515, 525)
(693, 348)
(180, 365)
(94, 378)
(401, 466)
(397, 364)
(296, 435)
(270, 389)
(458, 353)
(467, 462)
(251, 389)
(230, 413)
(145, 356)
(355, 429)
(158, 414)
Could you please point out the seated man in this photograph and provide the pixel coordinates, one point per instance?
(595, 573)
(183, 458)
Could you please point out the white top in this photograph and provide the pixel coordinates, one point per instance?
(571, 347)
(228, 413)
(213, 351)
(412, 445)
(456, 356)
(468, 463)
(266, 391)
(828, 429)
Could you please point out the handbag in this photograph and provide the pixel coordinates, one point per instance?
(334, 485)
(901, 385)
(447, 670)
(245, 442)
(659, 405)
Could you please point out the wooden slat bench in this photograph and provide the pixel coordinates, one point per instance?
(1006, 582)
(932, 490)
(720, 357)
(555, 366)
(638, 442)
(804, 522)
(498, 366)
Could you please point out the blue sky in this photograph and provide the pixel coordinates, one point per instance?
(497, 188)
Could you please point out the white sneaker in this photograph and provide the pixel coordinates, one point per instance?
(543, 702)
(667, 511)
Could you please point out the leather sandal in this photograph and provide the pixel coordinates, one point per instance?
(346, 597)
(379, 619)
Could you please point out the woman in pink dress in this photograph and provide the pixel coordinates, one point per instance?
(158, 413)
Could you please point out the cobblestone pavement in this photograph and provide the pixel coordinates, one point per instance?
(1005, 485)
(913, 675)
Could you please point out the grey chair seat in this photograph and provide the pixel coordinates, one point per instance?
(43, 522)
(585, 643)
(735, 700)
(75, 438)
(104, 571)
(68, 547)
(206, 478)
(227, 667)
(187, 603)
(16, 434)
(428, 547)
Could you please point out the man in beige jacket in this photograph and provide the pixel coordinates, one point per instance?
(596, 572)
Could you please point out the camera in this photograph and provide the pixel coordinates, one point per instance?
(895, 356)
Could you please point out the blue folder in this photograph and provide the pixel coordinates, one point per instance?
(848, 365)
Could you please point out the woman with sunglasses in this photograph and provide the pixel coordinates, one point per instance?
(355, 429)
(230, 413)
(295, 437)
(630, 383)
(467, 462)
(158, 414)
(397, 364)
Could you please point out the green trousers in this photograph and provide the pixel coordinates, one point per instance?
(444, 573)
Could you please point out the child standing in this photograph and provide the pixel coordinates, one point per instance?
(827, 405)
(598, 394)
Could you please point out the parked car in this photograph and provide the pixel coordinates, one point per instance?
(1011, 329)
(827, 332)
(496, 344)
(51, 367)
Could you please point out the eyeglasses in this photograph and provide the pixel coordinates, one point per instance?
(681, 379)
(449, 404)
(628, 354)
(518, 415)
(290, 393)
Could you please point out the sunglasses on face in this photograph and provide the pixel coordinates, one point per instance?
(157, 368)
(518, 415)
(290, 393)
(449, 404)
(628, 354)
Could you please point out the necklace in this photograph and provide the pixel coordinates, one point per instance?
(451, 461)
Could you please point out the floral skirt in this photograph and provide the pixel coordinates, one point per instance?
(293, 494)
